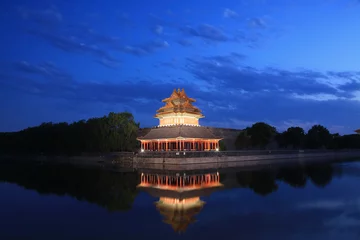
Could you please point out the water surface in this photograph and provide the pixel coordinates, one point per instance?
(64, 202)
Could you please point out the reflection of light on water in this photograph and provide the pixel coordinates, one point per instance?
(180, 182)
(343, 221)
(179, 213)
(179, 202)
(179, 195)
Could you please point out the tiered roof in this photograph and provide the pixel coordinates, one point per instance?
(179, 217)
(179, 131)
(178, 102)
(197, 191)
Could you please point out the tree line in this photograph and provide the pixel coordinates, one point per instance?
(111, 133)
(264, 182)
(117, 191)
(118, 132)
(111, 190)
(263, 136)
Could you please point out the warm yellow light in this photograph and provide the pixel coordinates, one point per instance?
(142, 150)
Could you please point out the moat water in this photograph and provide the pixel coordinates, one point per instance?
(319, 201)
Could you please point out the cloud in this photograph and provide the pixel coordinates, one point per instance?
(230, 93)
(48, 17)
(72, 44)
(276, 96)
(205, 31)
(170, 64)
(306, 125)
(223, 106)
(223, 71)
(257, 23)
(324, 204)
(109, 63)
(124, 20)
(351, 86)
(72, 38)
(90, 34)
(232, 58)
(146, 48)
(251, 39)
(228, 13)
(25, 78)
(184, 42)
(46, 70)
(154, 20)
(158, 29)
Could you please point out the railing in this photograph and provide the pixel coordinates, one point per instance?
(194, 154)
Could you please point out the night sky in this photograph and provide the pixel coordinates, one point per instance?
(284, 62)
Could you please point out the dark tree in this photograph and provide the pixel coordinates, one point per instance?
(318, 137)
(265, 181)
(295, 177)
(320, 175)
(222, 146)
(115, 132)
(295, 136)
(243, 141)
(261, 182)
(281, 141)
(111, 190)
(261, 134)
(351, 141)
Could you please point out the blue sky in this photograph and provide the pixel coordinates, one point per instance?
(288, 63)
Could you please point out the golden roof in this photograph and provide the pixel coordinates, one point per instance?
(178, 102)
(179, 217)
(176, 94)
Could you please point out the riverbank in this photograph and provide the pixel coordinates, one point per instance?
(193, 160)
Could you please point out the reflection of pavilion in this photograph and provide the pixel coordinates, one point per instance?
(179, 195)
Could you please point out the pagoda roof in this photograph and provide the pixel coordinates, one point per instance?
(179, 131)
(178, 102)
(177, 94)
(200, 192)
(179, 218)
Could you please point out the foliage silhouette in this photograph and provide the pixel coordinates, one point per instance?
(295, 177)
(295, 136)
(264, 182)
(318, 137)
(320, 175)
(261, 135)
(111, 190)
(115, 132)
(261, 182)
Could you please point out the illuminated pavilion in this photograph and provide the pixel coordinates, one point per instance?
(357, 131)
(179, 195)
(179, 128)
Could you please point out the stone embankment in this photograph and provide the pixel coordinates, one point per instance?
(238, 158)
(192, 160)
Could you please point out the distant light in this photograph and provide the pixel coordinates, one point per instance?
(217, 149)
(142, 150)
